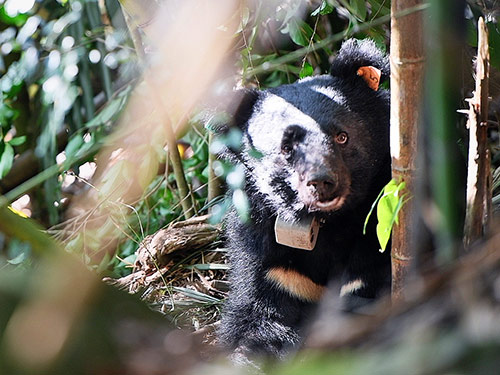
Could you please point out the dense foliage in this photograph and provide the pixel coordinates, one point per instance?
(70, 67)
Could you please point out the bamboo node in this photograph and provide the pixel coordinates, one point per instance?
(400, 169)
(400, 257)
(406, 61)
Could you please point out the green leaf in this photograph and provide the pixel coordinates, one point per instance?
(240, 202)
(494, 42)
(244, 17)
(17, 141)
(300, 32)
(323, 9)
(17, 20)
(108, 113)
(18, 259)
(254, 153)
(359, 8)
(387, 210)
(73, 147)
(112, 188)
(372, 208)
(380, 7)
(383, 235)
(127, 261)
(7, 114)
(75, 245)
(105, 262)
(209, 266)
(6, 160)
(233, 138)
(111, 110)
(195, 295)
(219, 210)
(306, 71)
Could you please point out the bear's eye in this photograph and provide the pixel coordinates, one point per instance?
(341, 138)
(292, 135)
(286, 148)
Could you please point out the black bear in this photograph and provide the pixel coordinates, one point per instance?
(316, 155)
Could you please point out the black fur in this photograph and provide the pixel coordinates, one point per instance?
(296, 129)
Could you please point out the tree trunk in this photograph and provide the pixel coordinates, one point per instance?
(407, 64)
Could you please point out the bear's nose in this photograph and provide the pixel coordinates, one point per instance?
(325, 186)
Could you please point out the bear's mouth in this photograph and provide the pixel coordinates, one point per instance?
(324, 192)
(329, 205)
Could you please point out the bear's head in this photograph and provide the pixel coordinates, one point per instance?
(320, 144)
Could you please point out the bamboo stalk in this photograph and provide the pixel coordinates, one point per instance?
(444, 54)
(84, 76)
(76, 116)
(94, 18)
(407, 65)
(478, 172)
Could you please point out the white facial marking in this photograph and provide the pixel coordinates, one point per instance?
(331, 93)
(351, 287)
(276, 114)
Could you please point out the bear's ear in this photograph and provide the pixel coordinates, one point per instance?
(361, 59)
(243, 106)
(231, 122)
(235, 112)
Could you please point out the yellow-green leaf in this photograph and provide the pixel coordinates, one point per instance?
(387, 211)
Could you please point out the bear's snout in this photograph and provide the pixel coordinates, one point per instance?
(323, 190)
(324, 186)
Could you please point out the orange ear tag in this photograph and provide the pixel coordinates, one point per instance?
(371, 75)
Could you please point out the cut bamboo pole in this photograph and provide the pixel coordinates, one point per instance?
(478, 170)
(407, 64)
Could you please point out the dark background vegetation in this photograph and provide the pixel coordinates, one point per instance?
(67, 71)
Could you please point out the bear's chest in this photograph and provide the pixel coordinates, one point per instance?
(306, 272)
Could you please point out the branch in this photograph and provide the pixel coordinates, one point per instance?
(153, 254)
